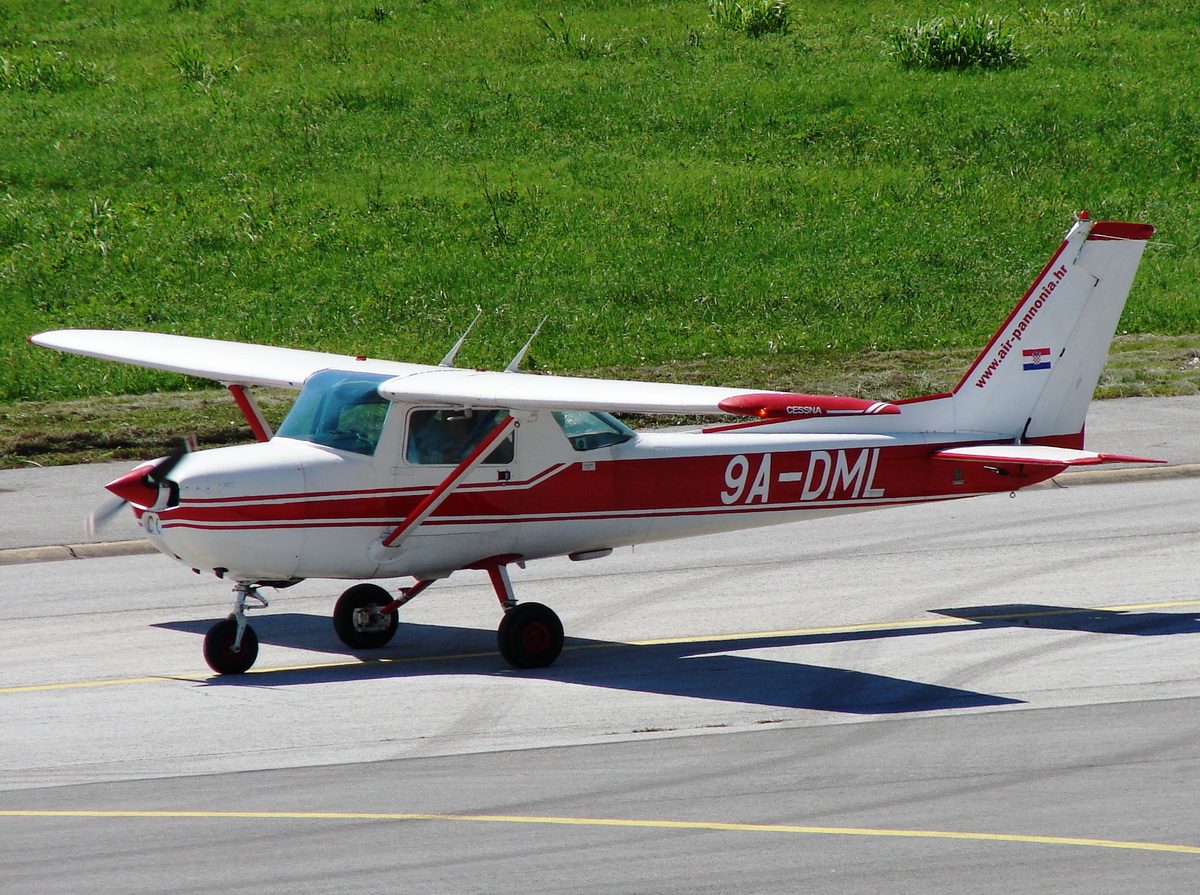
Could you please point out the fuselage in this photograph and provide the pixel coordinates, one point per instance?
(295, 508)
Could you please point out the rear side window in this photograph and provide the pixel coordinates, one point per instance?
(447, 437)
(588, 431)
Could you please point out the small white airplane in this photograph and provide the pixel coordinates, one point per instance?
(384, 469)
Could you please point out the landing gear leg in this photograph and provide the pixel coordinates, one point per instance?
(530, 634)
(231, 646)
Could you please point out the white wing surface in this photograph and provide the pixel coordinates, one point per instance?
(228, 362)
(525, 391)
(246, 364)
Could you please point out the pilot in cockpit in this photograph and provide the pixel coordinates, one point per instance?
(443, 436)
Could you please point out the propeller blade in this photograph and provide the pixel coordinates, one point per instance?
(159, 472)
(101, 515)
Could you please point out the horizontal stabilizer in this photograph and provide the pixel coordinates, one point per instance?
(1034, 454)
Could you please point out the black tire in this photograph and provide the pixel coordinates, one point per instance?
(530, 636)
(350, 627)
(218, 648)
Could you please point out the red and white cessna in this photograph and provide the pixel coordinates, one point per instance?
(385, 469)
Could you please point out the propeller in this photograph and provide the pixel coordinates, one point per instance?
(141, 487)
(100, 516)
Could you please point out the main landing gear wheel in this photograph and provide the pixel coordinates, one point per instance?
(219, 652)
(530, 636)
(357, 620)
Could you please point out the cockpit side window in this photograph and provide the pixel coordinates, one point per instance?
(442, 437)
(340, 410)
(589, 431)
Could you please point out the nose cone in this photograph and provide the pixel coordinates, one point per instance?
(135, 487)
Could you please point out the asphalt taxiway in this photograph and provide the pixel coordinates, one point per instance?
(983, 696)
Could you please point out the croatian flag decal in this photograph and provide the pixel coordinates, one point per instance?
(1037, 359)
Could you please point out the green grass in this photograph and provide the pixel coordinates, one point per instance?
(754, 18)
(972, 40)
(358, 177)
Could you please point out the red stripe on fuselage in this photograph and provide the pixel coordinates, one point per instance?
(375, 493)
(781, 481)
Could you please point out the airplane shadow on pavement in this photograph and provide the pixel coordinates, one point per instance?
(705, 670)
(1065, 618)
(711, 669)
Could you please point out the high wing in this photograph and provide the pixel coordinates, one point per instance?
(227, 362)
(524, 391)
(246, 364)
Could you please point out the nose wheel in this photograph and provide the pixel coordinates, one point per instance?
(231, 646)
(223, 654)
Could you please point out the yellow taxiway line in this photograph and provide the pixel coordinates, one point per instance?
(664, 641)
(709, 826)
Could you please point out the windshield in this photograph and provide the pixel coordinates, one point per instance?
(340, 410)
(588, 431)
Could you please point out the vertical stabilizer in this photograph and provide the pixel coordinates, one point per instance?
(1037, 374)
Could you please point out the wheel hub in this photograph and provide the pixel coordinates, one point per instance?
(368, 619)
(536, 637)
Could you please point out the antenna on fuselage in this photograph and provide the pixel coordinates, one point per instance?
(516, 361)
(448, 360)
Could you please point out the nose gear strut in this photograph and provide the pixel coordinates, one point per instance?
(231, 646)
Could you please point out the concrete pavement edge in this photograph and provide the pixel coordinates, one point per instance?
(56, 553)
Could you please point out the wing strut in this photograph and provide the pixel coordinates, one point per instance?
(438, 495)
(249, 408)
